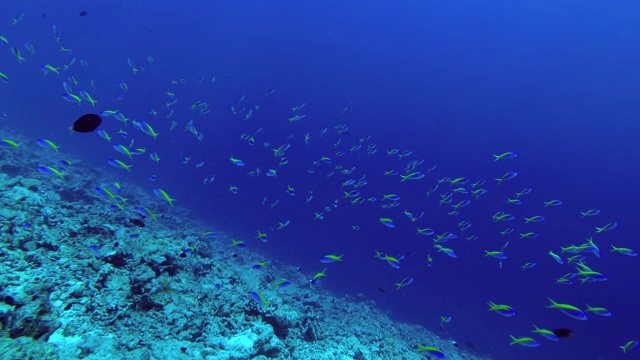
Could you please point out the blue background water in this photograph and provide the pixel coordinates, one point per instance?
(452, 81)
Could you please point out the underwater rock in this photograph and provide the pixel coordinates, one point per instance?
(118, 260)
(34, 319)
(146, 303)
(283, 319)
(137, 222)
(88, 288)
(310, 334)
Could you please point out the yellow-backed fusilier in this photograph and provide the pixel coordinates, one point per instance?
(528, 235)
(432, 351)
(122, 118)
(502, 216)
(505, 155)
(566, 279)
(48, 69)
(146, 212)
(238, 244)
(387, 222)
(56, 33)
(447, 251)
(405, 282)
(556, 257)
(548, 334)
(103, 134)
(297, 117)
(122, 150)
(496, 254)
(514, 201)
(236, 162)
(50, 170)
(524, 192)
(528, 265)
(164, 196)
(17, 19)
(553, 203)
(507, 176)
(283, 224)
(298, 107)
(281, 284)
(8, 143)
(504, 310)
(592, 212)
(291, 191)
(85, 95)
(105, 192)
(47, 144)
(629, 345)
(259, 265)
(568, 310)
(625, 251)
(154, 156)
(262, 236)
(279, 152)
(393, 261)
(598, 310)
(533, 219)
(119, 164)
(426, 231)
(524, 341)
(318, 276)
(107, 113)
(609, 226)
(331, 258)
(259, 298)
(16, 52)
(145, 128)
(413, 176)
(74, 99)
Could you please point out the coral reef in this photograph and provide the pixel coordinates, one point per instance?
(79, 281)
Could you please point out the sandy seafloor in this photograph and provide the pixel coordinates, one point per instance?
(135, 297)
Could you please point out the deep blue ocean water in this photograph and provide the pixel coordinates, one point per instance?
(454, 82)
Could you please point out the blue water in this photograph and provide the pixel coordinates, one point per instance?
(454, 82)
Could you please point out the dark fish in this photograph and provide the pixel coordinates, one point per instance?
(382, 290)
(83, 13)
(87, 123)
(137, 222)
(563, 333)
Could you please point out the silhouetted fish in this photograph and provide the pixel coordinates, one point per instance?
(137, 222)
(563, 333)
(87, 123)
